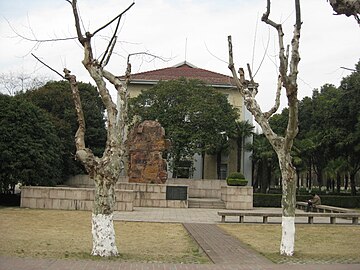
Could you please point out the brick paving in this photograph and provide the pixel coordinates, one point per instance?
(226, 252)
(223, 248)
(12, 263)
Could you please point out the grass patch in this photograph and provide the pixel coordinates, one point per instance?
(67, 234)
(313, 243)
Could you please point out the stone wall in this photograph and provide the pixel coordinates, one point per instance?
(83, 180)
(237, 197)
(66, 198)
(200, 188)
(152, 195)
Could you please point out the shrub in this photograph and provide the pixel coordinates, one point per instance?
(236, 182)
(236, 175)
(9, 199)
(274, 200)
(236, 179)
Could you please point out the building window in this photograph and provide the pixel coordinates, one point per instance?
(223, 171)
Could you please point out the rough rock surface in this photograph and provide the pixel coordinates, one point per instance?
(146, 143)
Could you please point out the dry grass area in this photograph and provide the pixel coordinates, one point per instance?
(67, 234)
(313, 243)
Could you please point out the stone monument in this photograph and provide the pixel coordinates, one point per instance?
(146, 142)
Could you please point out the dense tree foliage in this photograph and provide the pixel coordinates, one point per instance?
(243, 130)
(328, 142)
(29, 145)
(196, 118)
(56, 99)
(43, 152)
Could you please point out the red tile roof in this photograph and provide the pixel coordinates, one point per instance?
(183, 70)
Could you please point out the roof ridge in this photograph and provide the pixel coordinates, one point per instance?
(184, 63)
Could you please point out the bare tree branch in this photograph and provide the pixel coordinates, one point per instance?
(218, 58)
(113, 43)
(117, 17)
(274, 109)
(346, 7)
(77, 22)
(58, 73)
(278, 27)
(148, 54)
(36, 39)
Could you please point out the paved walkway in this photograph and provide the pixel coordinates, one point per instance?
(11, 263)
(223, 248)
(226, 252)
(208, 216)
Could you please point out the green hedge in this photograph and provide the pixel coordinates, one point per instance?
(274, 200)
(236, 182)
(9, 199)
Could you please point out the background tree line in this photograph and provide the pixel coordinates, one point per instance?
(37, 130)
(328, 143)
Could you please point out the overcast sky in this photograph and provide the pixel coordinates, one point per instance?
(178, 30)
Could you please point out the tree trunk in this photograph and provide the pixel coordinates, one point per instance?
(282, 145)
(346, 184)
(238, 156)
(352, 184)
(338, 182)
(218, 164)
(288, 202)
(102, 218)
(255, 174)
(264, 174)
(310, 177)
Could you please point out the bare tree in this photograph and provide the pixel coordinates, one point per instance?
(104, 171)
(288, 71)
(347, 7)
(12, 83)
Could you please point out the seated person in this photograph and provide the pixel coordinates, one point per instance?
(314, 201)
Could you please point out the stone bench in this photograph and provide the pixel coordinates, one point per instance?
(310, 215)
(324, 208)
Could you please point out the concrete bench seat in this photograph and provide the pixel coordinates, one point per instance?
(333, 209)
(354, 216)
(324, 208)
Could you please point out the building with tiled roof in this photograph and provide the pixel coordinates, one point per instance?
(222, 83)
(186, 70)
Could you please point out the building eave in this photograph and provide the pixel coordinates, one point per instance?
(154, 82)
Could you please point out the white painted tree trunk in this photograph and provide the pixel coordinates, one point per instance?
(103, 235)
(288, 201)
(102, 229)
(287, 245)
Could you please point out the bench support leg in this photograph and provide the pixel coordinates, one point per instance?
(241, 219)
(333, 220)
(311, 220)
(265, 219)
(355, 220)
(222, 219)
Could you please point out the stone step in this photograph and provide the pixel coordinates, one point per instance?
(209, 203)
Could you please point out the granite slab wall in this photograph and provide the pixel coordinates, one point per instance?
(237, 197)
(200, 188)
(66, 198)
(153, 195)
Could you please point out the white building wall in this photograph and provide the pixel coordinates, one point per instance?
(247, 163)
